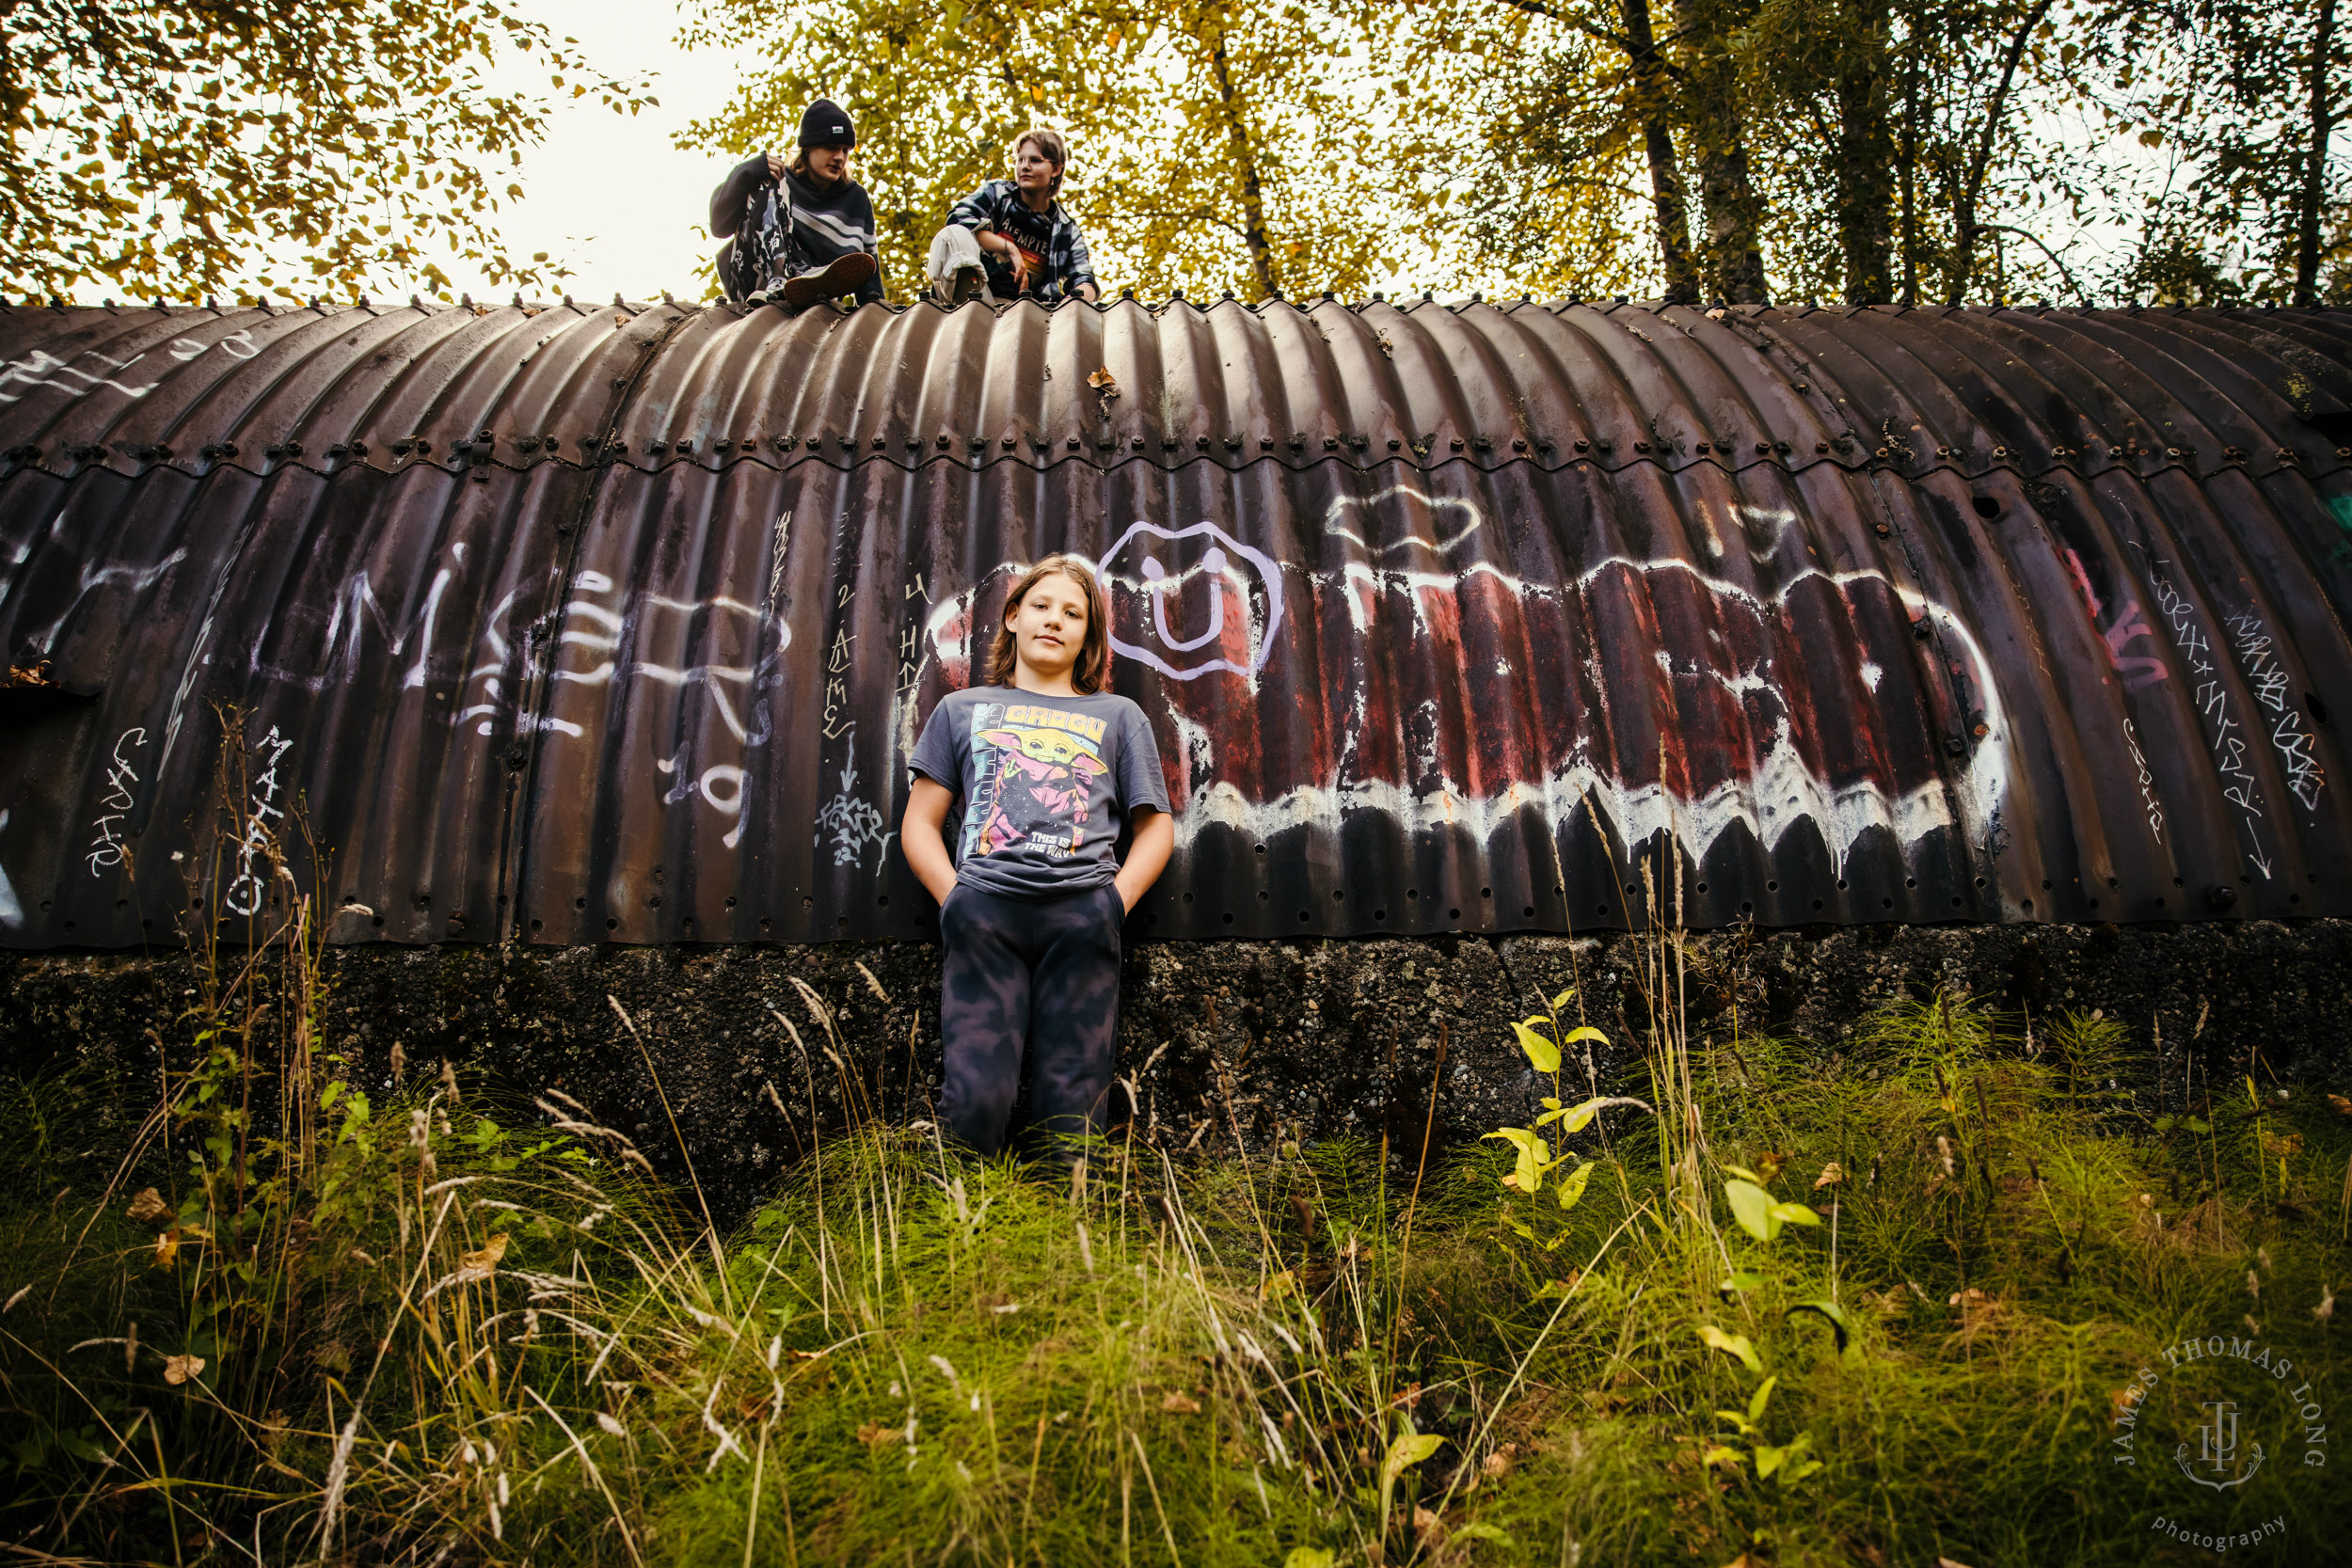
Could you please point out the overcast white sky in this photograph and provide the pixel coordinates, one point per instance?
(607, 193)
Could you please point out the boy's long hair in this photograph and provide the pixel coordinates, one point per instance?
(1049, 142)
(798, 164)
(1092, 673)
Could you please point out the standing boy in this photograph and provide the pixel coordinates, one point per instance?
(1051, 766)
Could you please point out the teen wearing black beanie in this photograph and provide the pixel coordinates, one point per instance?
(825, 123)
(801, 230)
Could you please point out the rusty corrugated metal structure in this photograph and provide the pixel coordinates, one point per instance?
(568, 625)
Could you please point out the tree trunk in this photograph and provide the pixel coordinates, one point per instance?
(1717, 131)
(1966, 224)
(1654, 92)
(2314, 193)
(1865, 176)
(1907, 176)
(1253, 232)
(1733, 220)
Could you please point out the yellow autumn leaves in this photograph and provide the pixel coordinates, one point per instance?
(1248, 146)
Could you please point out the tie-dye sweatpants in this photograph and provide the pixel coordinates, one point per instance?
(1034, 978)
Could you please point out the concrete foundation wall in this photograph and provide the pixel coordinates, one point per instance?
(1221, 1040)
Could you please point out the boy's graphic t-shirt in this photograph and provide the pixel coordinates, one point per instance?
(1032, 235)
(1047, 783)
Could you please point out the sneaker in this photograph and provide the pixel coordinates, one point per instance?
(842, 275)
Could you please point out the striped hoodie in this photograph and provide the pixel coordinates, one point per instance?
(827, 224)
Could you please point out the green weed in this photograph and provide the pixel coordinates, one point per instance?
(1754, 1304)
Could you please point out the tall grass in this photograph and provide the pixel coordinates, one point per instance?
(452, 1330)
(1800, 1308)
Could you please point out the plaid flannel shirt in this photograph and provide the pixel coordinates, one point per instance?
(1066, 263)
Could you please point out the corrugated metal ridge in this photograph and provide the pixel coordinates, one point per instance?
(2055, 636)
(258, 392)
(424, 424)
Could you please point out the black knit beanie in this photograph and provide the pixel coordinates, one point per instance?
(825, 122)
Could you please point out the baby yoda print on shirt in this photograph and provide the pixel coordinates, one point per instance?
(1036, 768)
(1046, 785)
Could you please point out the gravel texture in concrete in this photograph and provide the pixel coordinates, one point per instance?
(1221, 1043)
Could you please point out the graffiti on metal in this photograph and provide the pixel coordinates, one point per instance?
(596, 626)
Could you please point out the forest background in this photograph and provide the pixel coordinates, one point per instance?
(1863, 151)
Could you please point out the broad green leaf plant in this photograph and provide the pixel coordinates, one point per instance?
(1540, 1038)
(1760, 1214)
